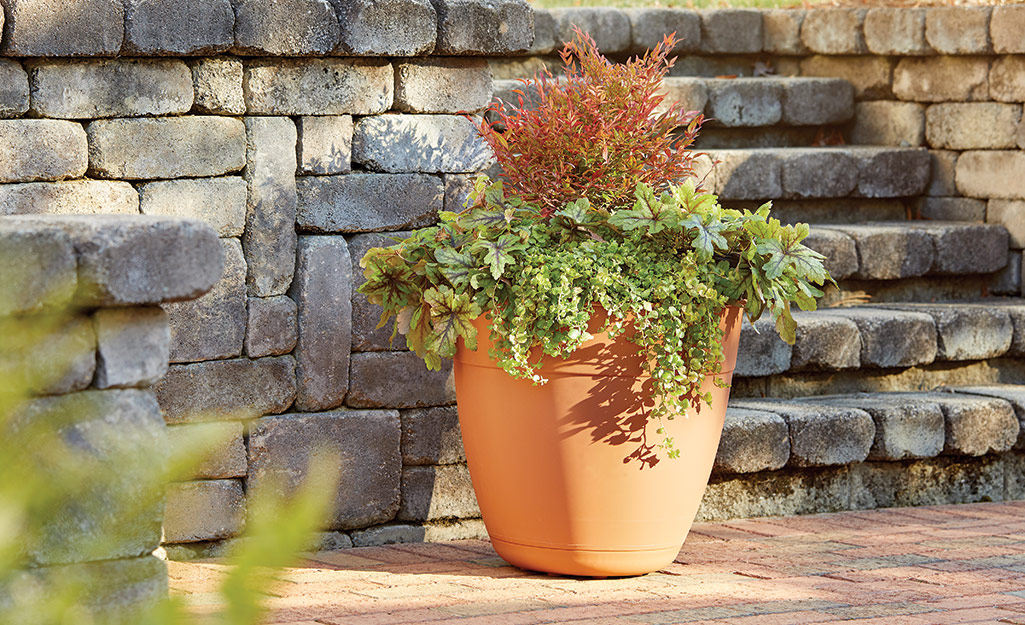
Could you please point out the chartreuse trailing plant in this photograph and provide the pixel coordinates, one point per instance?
(538, 253)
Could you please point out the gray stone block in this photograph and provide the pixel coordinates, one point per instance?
(63, 360)
(272, 327)
(888, 252)
(896, 31)
(1011, 393)
(319, 87)
(839, 249)
(269, 239)
(419, 143)
(609, 27)
(442, 85)
(208, 450)
(943, 164)
(776, 493)
(325, 144)
(689, 93)
(991, 174)
(213, 326)
(906, 426)
(373, 376)
(761, 350)
(180, 147)
(14, 93)
(752, 441)
(649, 25)
(1010, 215)
(1005, 28)
(74, 197)
(90, 89)
(393, 533)
(224, 390)
(870, 75)
(1014, 477)
(746, 175)
(220, 202)
(958, 29)
(1007, 79)
(742, 102)
(436, 493)
(965, 248)
(896, 124)
(38, 269)
(285, 27)
(431, 436)
(821, 435)
(331, 541)
(936, 481)
(942, 79)
(818, 172)
(41, 149)
(217, 83)
(817, 101)
(781, 31)
(950, 209)
(966, 332)
(972, 125)
(483, 27)
(834, 31)
(976, 426)
(890, 172)
(368, 202)
(132, 346)
(457, 191)
(733, 31)
(63, 27)
(825, 342)
(390, 28)
(893, 338)
(360, 448)
(182, 27)
(204, 510)
(322, 291)
(1007, 281)
(366, 336)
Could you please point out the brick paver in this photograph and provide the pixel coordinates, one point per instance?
(923, 566)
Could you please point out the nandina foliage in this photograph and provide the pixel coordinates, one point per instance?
(598, 133)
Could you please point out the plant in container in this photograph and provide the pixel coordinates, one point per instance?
(592, 300)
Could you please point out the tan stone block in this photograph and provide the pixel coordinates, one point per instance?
(969, 126)
(889, 123)
(834, 31)
(992, 174)
(958, 30)
(896, 31)
(870, 75)
(1007, 29)
(1011, 215)
(781, 32)
(942, 79)
(1007, 79)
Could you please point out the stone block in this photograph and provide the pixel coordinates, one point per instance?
(818, 172)
(746, 175)
(319, 86)
(609, 27)
(360, 449)
(391, 534)
(390, 28)
(431, 436)
(455, 529)
(368, 202)
(373, 376)
(226, 390)
(839, 249)
(942, 79)
(821, 435)
(208, 450)
(690, 93)
(890, 172)
(1015, 308)
(442, 85)
(1005, 28)
(926, 482)
(457, 191)
(814, 102)
(89, 197)
(825, 342)
(269, 239)
(905, 426)
(41, 149)
(893, 338)
(132, 346)
(322, 290)
(882, 122)
(199, 27)
(834, 31)
(1007, 79)
(732, 31)
(752, 441)
(776, 493)
(889, 252)
(991, 174)
(896, 31)
(1011, 393)
(434, 493)
(325, 144)
(213, 326)
(285, 27)
(1007, 281)
(761, 351)
(966, 332)
(943, 164)
(969, 126)
(950, 209)
(483, 27)
(1011, 215)
(63, 27)
(204, 510)
(14, 92)
(781, 32)
(217, 83)
(976, 425)
(545, 31)
(90, 89)
(61, 361)
(966, 248)
(331, 541)
(38, 269)
(366, 336)
(649, 25)
(1014, 477)
(178, 147)
(419, 143)
(958, 30)
(870, 75)
(745, 101)
(272, 326)
(220, 202)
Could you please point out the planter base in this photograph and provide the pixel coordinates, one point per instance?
(585, 562)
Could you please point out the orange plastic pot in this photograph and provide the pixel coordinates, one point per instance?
(568, 475)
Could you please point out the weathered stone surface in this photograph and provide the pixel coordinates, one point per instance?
(1015, 308)
(609, 27)
(778, 493)
(220, 202)
(1010, 215)
(958, 30)
(269, 240)
(897, 31)
(455, 529)
(285, 27)
(132, 346)
(431, 436)
(331, 541)
(223, 390)
(366, 336)
(457, 191)
(870, 75)
(942, 79)
(968, 126)
(391, 534)
(217, 83)
(976, 426)
(965, 248)
(1007, 281)
(943, 165)
(888, 252)
(821, 435)
(442, 85)
(90, 197)
(926, 482)
(818, 172)
(951, 209)
(781, 31)
(38, 269)
(752, 440)
(110, 88)
(204, 510)
(991, 174)
(319, 86)
(1014, 476)
(390, 28)
(1012, 393)
(419, 143)
(62, 361)
(179, 147)
(897, 124)
(213, 326)
(825, 342)
(734, 31)
(649, 25)
(1007, 79)
(41, 149)
(545, 31)
(322, 290)
(358, 448)
(374, 375)
(691, 93)
(834, 31)
(814, 102)
(325, 144)
(272, 327)
(761, 350)
(63, 27)
(966, 332)
(435, 493)
(213, 450)
(745, 101)
(892, 338)
(483, 27)
(839, 249)
(14, 93)
(368, 202)
(182, 27)
(889, 172)
(746, 175)
(1006, 26)
(906, 426)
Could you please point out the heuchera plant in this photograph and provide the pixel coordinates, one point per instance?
(594, 210)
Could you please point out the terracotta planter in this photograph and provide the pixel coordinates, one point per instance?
(566, 473)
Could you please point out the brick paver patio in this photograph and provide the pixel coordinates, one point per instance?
(906, 566)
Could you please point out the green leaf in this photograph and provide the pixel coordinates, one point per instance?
(579, 213)
(452, 316)
(707, 238)
(786, 326)
(498, 253)
(457, 267)
(484, 218)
